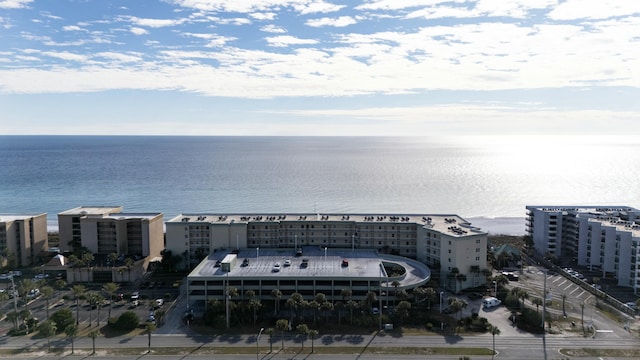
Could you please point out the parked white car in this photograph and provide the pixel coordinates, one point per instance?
(490, 302)
(276, 267)
(159, 302)
(33, 293)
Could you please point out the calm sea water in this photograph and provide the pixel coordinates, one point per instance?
(473, 177)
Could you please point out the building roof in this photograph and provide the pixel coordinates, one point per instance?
(15, 217)
(452, 225)
(128, 216)
(362, 264)
(506, 248)
(92, 210)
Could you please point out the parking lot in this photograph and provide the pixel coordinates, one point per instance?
(154, 295)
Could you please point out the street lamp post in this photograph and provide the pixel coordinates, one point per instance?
(441, 293)
(257, 342)
(544, 301)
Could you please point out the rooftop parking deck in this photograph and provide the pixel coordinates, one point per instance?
(362, 264)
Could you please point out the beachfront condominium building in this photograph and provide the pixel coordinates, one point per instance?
(22, 239)
(603, 237)
(446, 243)
(106, 230)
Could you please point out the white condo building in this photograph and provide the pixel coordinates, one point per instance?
(105, 230)
(601, 237)
(447, 243)
(22, 238)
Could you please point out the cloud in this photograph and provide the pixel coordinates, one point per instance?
(72, 28)
(405, 4)
(138, 31)
(65, 55)
(273, 29)
(496, 119)
(286, 40)
(155, 23)
(254, 6)
(594, 9)
(341, 21)
(119, 57)
(264, 16)
(214, 40)
(14, 4)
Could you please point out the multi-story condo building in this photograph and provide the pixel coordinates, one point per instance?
(603, 237)
(106, 230)
(446, 243)
(22, 238)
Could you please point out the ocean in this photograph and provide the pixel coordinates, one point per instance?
(488, 180)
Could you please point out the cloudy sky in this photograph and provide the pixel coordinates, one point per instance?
(320, 67)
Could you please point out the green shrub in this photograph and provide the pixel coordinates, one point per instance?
(127, 321)
(62, 318)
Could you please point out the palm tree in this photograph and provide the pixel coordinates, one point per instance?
(460, 278)
(26, 285)
(326, 307)
(128, 264)
(294, 303)
(98, 301)
(110, 288)
(313, 305)
(112, 257)
(93, 334)
(395, 285)
(46, 292)
(282, 325)
(537, 302)
(313, 333)
(371, 299)
(159, 317)
(303, 330)
(276, 294)
(475, 270)
(346, 297)
(352, 305)
(402, 310)
(452, 275)
(13, 317)
(270, 332)
(149, 328)
(48, 329)
(91, 300)
(77, 291)
(72, 331)
(493, 330)
(338, 307)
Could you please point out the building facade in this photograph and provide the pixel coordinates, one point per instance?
(603, 237)
(22, 238)
(106, 230)
(444, 242)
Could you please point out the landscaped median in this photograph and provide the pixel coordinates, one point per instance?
(294, 350)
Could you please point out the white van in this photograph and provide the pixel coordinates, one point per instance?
(490, 302)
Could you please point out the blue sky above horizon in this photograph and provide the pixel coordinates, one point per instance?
(320, 67)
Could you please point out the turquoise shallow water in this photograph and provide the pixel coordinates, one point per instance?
(314, 174)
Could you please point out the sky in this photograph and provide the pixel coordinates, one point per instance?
(320, 67)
